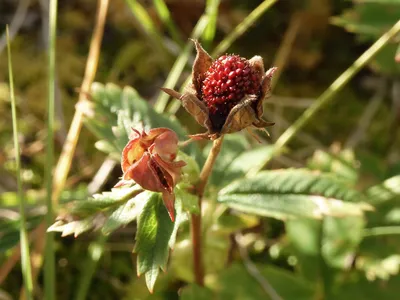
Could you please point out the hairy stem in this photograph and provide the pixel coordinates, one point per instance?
(196, 218)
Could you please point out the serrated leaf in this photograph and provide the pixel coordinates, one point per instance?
(154, 237)
(126, 213)
(151, 277)
(105, 200)
(117, 110)
(75, 227)
(384, 192)
(293, 193)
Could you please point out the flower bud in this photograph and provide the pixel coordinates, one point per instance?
(148, 159)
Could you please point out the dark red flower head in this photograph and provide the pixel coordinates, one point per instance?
(226, 95)
(148, 159)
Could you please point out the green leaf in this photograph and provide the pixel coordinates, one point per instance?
(342, 164)
(304, 236)
(235, 282)
(9, 229)
(369, 19)
(191, 171)
(385, 191)
(108, 211)
(195, 292)
(382, 1)
(377, 268)
(245, 163)
(115, 111)
(293, 193)
(126, 213)
(229, 223)
(190, 202)
(75, 227)
(155, 235)
(105, 200)
(358, 287)
(341, 237)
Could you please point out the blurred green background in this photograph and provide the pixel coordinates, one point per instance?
(312, 41)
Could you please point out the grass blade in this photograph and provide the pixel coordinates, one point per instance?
(148, 27)
(165, 16)
(95, 250)
(212, 12)
(25, 255)
(329, 94)
(49, 260)
(179, 64)
(242, 27)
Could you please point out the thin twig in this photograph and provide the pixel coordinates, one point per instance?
(64, 163)
(253, 271)
(196, 218)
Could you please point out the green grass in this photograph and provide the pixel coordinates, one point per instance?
(25, 255)
(165, 16)
(179, 64)
(49, 268)
(330, 93)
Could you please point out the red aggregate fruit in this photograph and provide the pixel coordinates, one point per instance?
(227, 80)
(226, 95)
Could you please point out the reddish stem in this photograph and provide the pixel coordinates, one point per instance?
(198, 266)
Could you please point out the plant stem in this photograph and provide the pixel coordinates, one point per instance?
(25, 254)
(329, 94)
(49, 259)
(198, 266)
